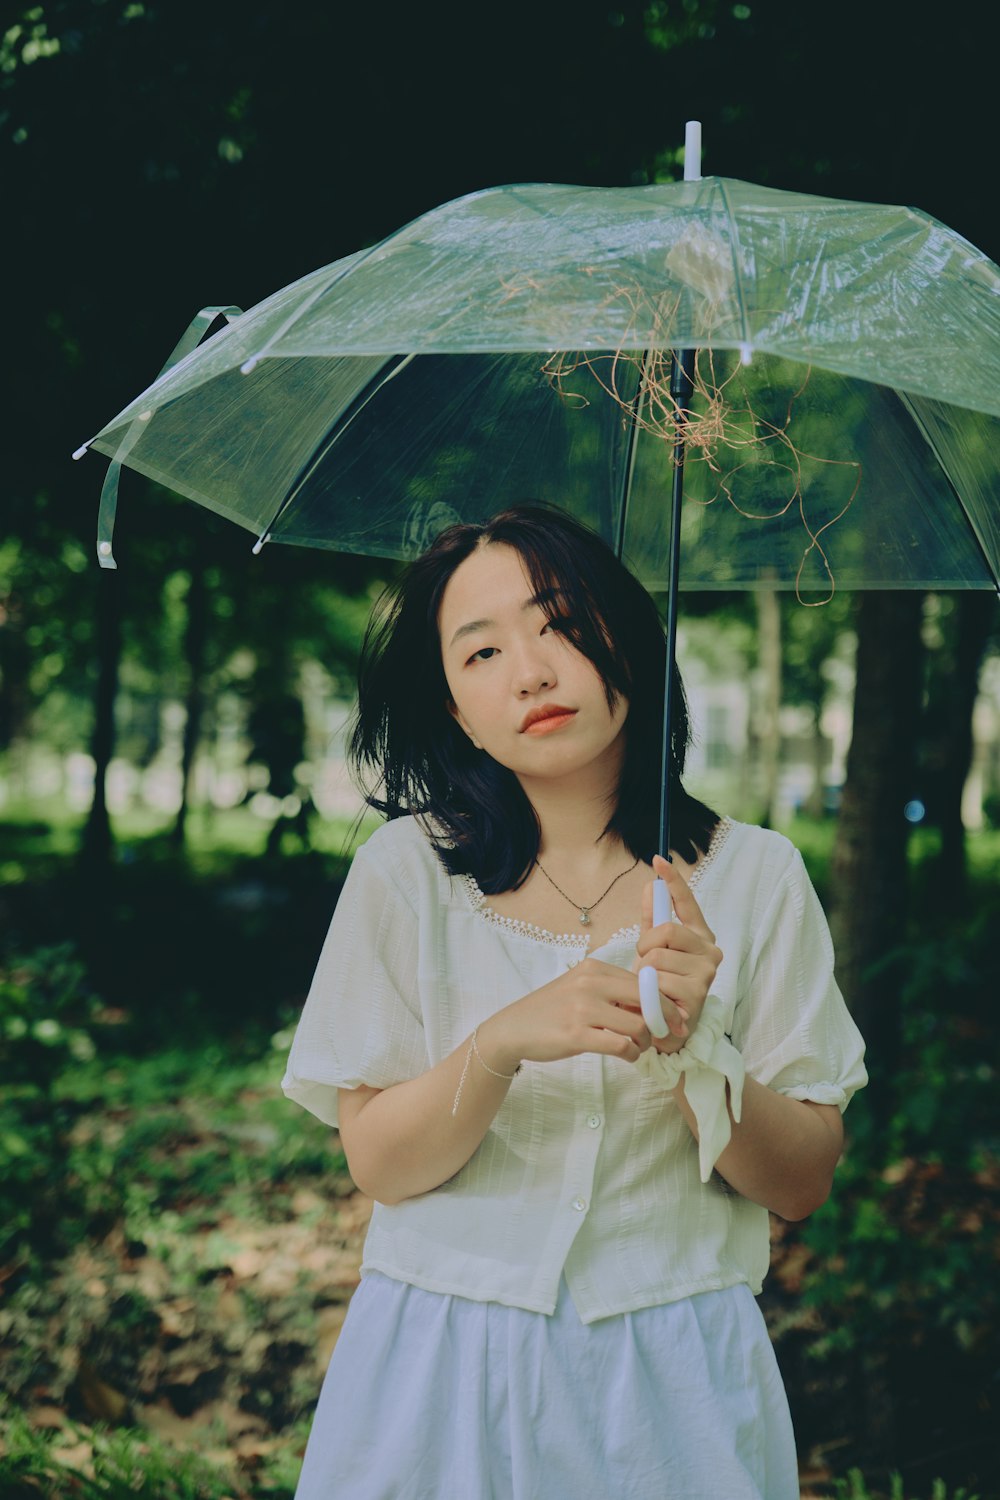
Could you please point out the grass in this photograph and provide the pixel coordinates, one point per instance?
(37, 836)
(175, 1348)
(855, 1487)
(51, 831)
(98, 1463)
(204, 1234)
(175, 1344)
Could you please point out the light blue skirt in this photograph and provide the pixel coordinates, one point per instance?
(436, 1397)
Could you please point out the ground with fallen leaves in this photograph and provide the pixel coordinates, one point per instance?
(200, 1308)
(206, 1320)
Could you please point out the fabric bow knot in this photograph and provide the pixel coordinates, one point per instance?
(710, 1061)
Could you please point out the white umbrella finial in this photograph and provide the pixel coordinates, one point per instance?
(692, 151)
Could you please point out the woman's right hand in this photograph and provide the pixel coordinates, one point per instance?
(579, 1011)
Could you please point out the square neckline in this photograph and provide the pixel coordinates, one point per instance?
(479, 903)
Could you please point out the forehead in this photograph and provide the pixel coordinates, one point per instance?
(492, 580)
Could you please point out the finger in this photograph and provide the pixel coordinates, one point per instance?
(677, 977)
(612, 990)
(686, 993)
(679, 974)
(685, 990)
(686, 908)
(611, 981)
(618, 989)
(618, 1043)
(658, 1006)
(629, 1022)
(676, 938)
(675, 1016)
(673, 1019)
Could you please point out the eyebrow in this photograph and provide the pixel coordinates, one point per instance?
(539, 600)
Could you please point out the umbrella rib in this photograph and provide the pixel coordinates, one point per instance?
(355, 265)
(333, 436)
(734, 247)
(918, 422)
(633, 435)
(250, 364)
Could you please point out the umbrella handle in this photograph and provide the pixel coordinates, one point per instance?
(649, 987)
(662, 909)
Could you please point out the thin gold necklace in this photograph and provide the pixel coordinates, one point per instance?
(586, 910)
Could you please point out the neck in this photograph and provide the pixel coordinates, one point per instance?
(573, 813)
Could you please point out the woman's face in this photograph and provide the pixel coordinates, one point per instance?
(521, 691)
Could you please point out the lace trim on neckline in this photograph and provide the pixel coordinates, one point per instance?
(480, 904)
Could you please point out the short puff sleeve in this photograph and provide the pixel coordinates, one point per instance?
(790, 1023)
(362, 1022)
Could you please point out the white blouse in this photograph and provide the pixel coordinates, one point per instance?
(588, 1167)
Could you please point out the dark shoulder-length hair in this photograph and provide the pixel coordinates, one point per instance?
(409, 755)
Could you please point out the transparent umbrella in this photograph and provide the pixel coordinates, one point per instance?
(517, 343)
(839, 422)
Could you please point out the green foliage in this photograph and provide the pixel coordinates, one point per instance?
(196, 1244)
(113, 1465)
(901, 1276)
(991, 809)
(904, 1248)
(855, 1487)
(183, 179)
(88, 1135)
(183, 949)
(167, 1133)
(46, 1029)
(816, 649)
(45, 1010)
(175, 1162)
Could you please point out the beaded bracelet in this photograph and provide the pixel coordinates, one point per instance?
(473, 1047)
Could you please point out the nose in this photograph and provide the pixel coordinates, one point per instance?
(533, 672)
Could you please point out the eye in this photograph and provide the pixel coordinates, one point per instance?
(483, 654)
(559, 622)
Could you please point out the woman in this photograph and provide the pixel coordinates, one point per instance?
(570, 1220)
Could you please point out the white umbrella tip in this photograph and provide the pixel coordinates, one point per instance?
(249, 365)
(692, 151)
(81, 450)
(746, 354)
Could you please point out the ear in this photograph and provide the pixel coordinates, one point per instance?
(453, 710)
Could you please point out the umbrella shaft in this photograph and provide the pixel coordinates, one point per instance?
(681, 386)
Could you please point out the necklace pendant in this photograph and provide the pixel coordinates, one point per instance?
(585, 918)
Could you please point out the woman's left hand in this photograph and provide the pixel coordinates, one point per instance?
(683, 952)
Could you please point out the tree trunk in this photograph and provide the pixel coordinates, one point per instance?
(869, 870)
(769, 705)
(195, 640)
(815, 803)
(98, 840)
(953, 740)
(15, 671)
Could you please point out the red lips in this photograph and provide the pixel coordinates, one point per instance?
(545, 711)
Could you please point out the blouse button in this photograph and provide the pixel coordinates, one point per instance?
(579, 1204)
(594, 1121)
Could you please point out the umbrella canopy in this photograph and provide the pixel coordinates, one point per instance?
(516, 343)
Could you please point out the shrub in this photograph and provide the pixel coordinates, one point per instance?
(46, 1026)
(105, 1465)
